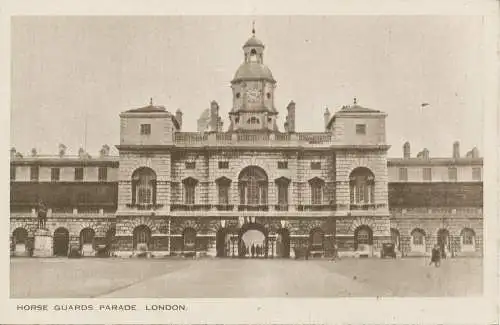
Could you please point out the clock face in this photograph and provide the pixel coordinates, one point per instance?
(254, 95)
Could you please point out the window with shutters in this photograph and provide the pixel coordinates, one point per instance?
(79, 174)
(403, 174)
(102, 174)
(427, 174)
(476, 174)
(144, 186)
(54, 174)
(34, 172)
(452, 174)
(145, 129)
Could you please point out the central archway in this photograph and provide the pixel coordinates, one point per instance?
(252, 241)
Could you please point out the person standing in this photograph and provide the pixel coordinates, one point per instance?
(436, 256)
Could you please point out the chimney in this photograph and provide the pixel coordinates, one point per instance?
(425, 153)
(178, 117)
(475, 153)
(327, 116)
(104, 152)
(33, 152)
(62, 150)
(406, 150)
(214, 116)
(81, 153)
(291, 117)
(12, 153)
(456, 150)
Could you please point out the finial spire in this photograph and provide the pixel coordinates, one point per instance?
(253, 28)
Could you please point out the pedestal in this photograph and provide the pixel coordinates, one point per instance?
(43, 243)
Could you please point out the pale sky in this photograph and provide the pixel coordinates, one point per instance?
(65, 68)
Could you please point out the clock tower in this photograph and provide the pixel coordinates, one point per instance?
(253, 91)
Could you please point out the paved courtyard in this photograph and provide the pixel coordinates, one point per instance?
(228, 278)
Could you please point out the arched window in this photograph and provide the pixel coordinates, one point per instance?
(189, 185)
(189, 236)
(253, 120)
(362, 186)
(87, 236)
(142, 237)
(253, 184)
(468, 237)
(253, 55)
(144, 186)
(317, 188)
(316, 238)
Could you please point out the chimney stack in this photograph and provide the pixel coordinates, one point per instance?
(406, 150)
(456, 150)
(104, 152)
(62, 150)
(327, 117)
(214, 116)
(475, 153)
(13, 153)
(178, 117)
(291, 117)
(425, 153)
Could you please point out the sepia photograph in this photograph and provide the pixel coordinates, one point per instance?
(246, 157)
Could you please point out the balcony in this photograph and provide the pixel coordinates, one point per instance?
(317, 207)
(311, 139)
(281, 207)
(190, 207)
(366, 206)
(145, 207)
(258, 207)
(224, 207)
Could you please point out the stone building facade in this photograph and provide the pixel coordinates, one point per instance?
(251, 189)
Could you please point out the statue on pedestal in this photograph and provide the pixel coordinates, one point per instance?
(42, 215)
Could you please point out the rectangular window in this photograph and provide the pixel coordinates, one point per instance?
(452, 173)
(54, 174)
(360, 128)
(190, 165)
(315, 165)
(189, 194)
(316, 194)
(403, 174)
(223, 194)
(145, 129)
(79, 174)
(427, 174)
(34, 173)
(102, 174)
(223, 164)
(476, 174)
(282, 194)
(282, 164)
(12, 173)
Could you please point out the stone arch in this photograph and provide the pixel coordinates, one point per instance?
(30, 228)
(359, 163)
(145, 221)
(253, 161)
(359, 222)
(363, 235)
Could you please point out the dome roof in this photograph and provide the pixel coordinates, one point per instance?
(253, 42)
(253, 71)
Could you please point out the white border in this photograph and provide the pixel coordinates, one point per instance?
(292, 311)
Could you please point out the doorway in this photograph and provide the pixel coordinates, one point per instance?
(253, 241)
(61, 242)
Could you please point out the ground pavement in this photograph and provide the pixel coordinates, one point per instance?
(228, 278)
